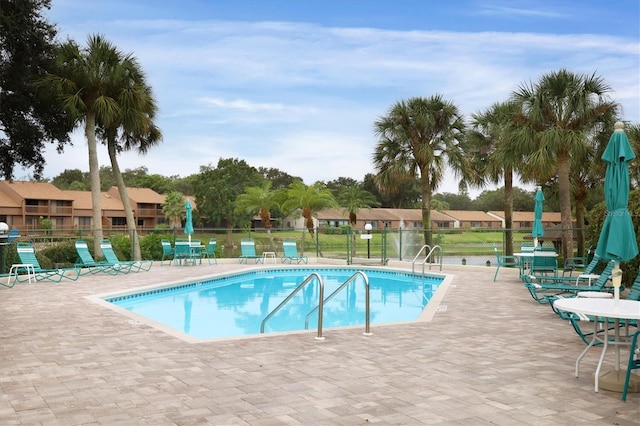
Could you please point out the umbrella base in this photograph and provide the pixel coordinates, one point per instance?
(614, 380)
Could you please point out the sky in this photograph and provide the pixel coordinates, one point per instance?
(298, 84)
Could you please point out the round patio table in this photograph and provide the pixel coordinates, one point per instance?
(616, 309)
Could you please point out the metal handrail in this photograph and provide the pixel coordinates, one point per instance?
(427, 257)
(320, 303)
(367, 327)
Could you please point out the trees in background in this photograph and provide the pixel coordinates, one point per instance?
(556, 116)
(29, 118)
(495, 155)
(419, 138)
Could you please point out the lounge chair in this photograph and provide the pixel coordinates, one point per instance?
(290, 249)
(248, 251)
(112, 259)
(633, 364)
(576, 319)
(167, 251)
(210, 251)
(87, 263)
(27, 256)
(508, 261)
(543, 292)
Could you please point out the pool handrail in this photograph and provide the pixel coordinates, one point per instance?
(297, 289)
(367, 327)
(427, 257)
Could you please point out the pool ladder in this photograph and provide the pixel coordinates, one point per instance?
(322, 300)
(436, 249)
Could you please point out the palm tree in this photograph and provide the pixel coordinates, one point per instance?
(173, 209)
(85, 80)
(556, 115)
(494, 157)
(261, 200)
(633, 133)
(309, 199)
(137, 108)
(352, 199)
(416, 138)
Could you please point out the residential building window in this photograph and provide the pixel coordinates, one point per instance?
(119, 221)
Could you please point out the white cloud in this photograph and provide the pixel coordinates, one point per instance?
(303, 97)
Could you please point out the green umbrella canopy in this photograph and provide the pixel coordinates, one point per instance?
(188, 224)
(538, 230)
(617, 240)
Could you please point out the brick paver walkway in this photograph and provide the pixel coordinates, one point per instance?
(493, 356)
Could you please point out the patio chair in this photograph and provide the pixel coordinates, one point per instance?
(290, 249)
(87, 264)
(633, 364)
(167, 251)
(506, 261)
(248, 251)
(27, 256)
(210, 251)
(111, 258)
(182, 252)
(549, 287)
(576, 320)
(544, 265)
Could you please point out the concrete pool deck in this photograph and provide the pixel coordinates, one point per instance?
(491, 355)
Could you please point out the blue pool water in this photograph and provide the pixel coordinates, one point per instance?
(236, 305)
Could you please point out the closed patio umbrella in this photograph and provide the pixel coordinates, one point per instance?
(188, 223)
(617, 240)
(537, 230)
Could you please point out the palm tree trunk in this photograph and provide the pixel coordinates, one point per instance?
(122, 189)
(508, 211)
(565, 205)
(94, 176)
(426, 206)
(580, 208)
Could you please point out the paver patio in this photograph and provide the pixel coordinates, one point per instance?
(491, 355)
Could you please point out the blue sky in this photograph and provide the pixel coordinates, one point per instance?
(298, 84)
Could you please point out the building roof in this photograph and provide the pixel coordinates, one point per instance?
(529, 216)
(37, 190)
(82, 200)
(471, 216)
(140, 195)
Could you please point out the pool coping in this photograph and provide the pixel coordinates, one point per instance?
(433, 306)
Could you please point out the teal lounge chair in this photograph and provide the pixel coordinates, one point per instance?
(543, 292)
(167, 251)
(87, 264)
(210, 251)
(290, 250)
(248, 251)
(576, 320)
(112, 259)
(633, 364)
(27, 255)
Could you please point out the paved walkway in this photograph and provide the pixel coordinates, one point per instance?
(493, 356)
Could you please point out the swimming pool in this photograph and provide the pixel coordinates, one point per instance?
(235, 305)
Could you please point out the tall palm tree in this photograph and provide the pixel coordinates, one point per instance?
(309, 199)
(420, 137)
(85, 80)
(494, 157)
(173, 209)
(261, 200)
(556, 115)
(352, 199)
(137, 109)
